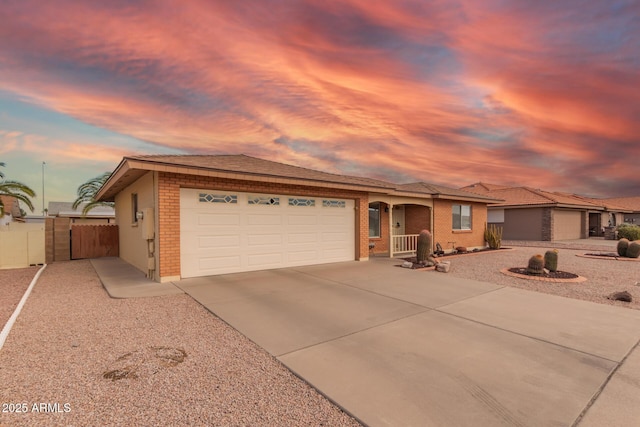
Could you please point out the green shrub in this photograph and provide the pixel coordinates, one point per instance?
(629, 231)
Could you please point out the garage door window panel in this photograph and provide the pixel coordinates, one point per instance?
(264, 200)
(217, 198)
(301, 202)
(334, 204)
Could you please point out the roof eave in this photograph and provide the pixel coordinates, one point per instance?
(117, 181)
(545, 205)
(466, 198)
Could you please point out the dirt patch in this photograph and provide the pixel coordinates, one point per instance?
(144, 363)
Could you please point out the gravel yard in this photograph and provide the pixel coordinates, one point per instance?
(13, 284)
(604, 276)
(167, 360)
(77, 357)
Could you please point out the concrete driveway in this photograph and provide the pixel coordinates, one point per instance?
(399, 347)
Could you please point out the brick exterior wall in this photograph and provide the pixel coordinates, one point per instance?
(547, 224)
(584, 228)
(443, 232)
(416, 218)
(169, 185)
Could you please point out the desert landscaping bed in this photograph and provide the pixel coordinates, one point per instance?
(77, 357)
(604, 277)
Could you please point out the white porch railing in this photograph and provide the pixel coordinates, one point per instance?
(404, 244)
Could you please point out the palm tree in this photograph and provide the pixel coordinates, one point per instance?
(16, 190)
(87, 193)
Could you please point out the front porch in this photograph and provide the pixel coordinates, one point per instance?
(394, 227)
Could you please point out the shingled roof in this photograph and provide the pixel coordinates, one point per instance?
(251, 168)
(445, 192)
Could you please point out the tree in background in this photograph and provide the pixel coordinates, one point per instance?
(15, 189)
(87, 193)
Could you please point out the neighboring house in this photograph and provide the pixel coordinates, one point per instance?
(11, 210)
(599, 222)
(632, 204)
(187, 216)
(98, 215)
(529, 214)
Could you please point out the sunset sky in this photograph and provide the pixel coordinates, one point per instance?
(537, 93)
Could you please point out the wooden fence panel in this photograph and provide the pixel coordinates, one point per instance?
(94, 241)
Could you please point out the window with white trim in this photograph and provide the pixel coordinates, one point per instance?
(374, 219)
(461, 217)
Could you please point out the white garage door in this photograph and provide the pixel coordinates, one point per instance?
(227, 232)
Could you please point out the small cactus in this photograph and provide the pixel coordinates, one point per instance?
(551, 260)
(423, 251)
(633, 251)
(536, 265)
(623, 244)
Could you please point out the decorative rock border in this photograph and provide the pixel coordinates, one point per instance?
(613, 258)
(578, 279)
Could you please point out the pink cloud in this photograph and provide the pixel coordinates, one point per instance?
(441, 91)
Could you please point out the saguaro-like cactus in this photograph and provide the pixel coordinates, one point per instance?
(623, 245)
(536, 265)
(633, 251)
(423, 250)
(551, 260)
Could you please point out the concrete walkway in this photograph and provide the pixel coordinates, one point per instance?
(122, 280)
(399, 347)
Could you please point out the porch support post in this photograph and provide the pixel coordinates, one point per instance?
(391, 230)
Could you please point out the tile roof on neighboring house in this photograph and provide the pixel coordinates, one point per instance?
(483, 187)
(251, 168)
(605, 203)
(630, 203)
(525, 196)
